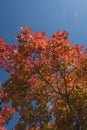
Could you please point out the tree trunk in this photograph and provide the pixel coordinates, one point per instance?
(80, 126)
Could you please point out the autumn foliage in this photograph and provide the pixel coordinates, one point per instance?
(47, 82)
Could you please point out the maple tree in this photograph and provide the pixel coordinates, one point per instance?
(47, 82)
(6, 113)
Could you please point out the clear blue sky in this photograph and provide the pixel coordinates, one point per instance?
(43, 15)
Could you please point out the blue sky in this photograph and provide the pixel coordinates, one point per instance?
(43, 15)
